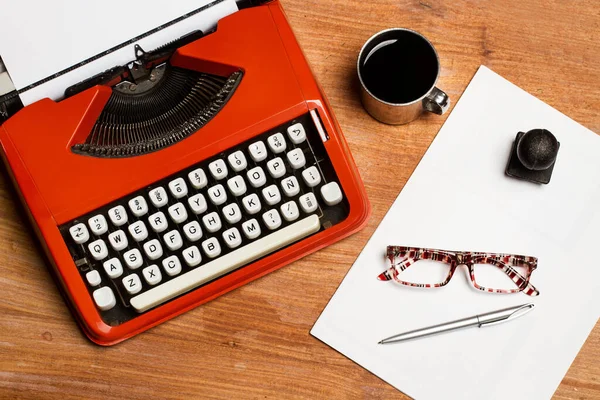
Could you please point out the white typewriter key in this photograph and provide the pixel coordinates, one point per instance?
(152, 274)
(229, 262)
(173, 240)
(98, 224)
(251, 203)
(232, 238)
(258, 151)
(132, 283)
(272, 219)
(232, 213)
(290, 211)
(211, 247)
(251, 229)
(133, 258)
(138, 206)
(217, 195)
(290, 186)
(257, 177)
(212, 222)
(192, 256)
(308, 202)
(138, 231)
(172, 265)
(118, 215)
(237, 185)
(98, 249)
(237, 161)
(158, 222)
(218, 169)
(158, 197)
(198, 178)
(296, 158)
(197, 203)
(192, 231)
(93, 278)
(331, 193)
(178, 213)
(113, 268)
(118, 240)
(277, 143)
(311, 176)
(296, 133)
(79, 233)
(153, 249)
(104, 298)
(178, 188)
(271, 195)
(276, 167)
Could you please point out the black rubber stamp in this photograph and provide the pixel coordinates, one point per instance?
(533, 156)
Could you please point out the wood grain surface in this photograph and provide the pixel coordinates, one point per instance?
(254, 343)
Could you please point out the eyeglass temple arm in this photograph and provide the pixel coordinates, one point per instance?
(515, 276)
(395, 269)
(531, 263)
(530, 290)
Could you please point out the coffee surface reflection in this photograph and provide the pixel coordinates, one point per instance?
(400, 70)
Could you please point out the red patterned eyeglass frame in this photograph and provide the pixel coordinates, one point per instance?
(409, 255)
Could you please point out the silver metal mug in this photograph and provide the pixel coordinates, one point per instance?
(395, 113)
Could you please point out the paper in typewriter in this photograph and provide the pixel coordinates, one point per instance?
(41, 38)
(459, 198)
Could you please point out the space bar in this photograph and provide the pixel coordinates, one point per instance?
(227, 263)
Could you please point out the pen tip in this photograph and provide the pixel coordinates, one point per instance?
(380, 342)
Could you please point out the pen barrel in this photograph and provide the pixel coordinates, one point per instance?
(433, 330)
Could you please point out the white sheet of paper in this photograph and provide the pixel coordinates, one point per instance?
(458, 198)
(41, 38)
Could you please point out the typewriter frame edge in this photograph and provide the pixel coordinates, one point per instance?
(73, 286)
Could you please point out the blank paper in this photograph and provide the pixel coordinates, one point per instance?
(40, 38)
(459, 199)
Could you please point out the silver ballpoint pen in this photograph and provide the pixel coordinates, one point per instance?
(491, 318)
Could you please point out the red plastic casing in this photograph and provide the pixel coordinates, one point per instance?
(57, 185)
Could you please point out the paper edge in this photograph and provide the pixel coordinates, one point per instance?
(323, 328)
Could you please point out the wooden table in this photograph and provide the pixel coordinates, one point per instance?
(254, 342)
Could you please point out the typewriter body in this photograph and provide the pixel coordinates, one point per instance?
(152, 198)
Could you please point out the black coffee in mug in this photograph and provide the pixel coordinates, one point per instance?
(399, 67)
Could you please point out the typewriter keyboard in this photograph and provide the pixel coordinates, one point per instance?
(216, 216)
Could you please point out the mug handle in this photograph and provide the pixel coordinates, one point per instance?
(436, 101)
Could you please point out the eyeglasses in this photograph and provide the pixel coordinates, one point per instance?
(489, 272)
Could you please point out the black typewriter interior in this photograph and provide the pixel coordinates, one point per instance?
(145, 115)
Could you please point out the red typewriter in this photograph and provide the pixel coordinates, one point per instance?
(207, 165)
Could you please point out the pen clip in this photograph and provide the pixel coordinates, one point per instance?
(519, 312)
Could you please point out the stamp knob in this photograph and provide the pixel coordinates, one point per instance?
(537, 149)
(533, 156)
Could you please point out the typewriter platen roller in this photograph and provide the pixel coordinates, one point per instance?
(212, 100)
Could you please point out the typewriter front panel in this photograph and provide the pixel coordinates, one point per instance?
(60, 186)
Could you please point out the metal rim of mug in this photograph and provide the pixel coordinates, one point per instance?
(381, 33)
